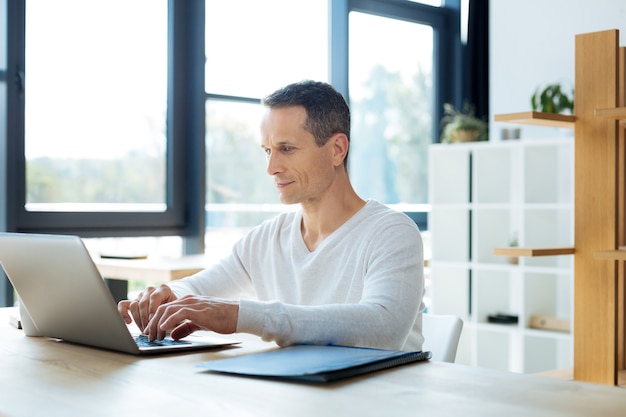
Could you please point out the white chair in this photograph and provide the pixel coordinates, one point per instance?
(441, 335)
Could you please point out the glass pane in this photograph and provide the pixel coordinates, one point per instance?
(391, 97)
(254, 47)
(240, 193)
(95, 97)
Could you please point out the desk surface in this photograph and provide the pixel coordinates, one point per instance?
(38, 375)
(151, 269)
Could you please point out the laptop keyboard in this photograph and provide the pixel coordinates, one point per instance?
(143, 341)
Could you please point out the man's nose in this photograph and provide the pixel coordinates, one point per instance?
(273, 164)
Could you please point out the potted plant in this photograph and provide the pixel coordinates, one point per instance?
(552, 99)
(462, 126)
(513, 243)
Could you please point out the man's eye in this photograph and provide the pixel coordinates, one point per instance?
(287, 148)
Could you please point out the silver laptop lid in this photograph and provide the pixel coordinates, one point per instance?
(62, 290)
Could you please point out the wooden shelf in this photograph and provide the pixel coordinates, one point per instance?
(538, 119)
(617, 113)
(612, 254)
(532, 252)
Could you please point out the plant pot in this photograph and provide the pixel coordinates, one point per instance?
(462, 135)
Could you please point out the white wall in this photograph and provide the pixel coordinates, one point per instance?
(532, 44)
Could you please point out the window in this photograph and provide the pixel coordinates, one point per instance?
(91, 113)
(99, 158)
(391, 96)
(253, 47)
(95, 105)
(261, 55)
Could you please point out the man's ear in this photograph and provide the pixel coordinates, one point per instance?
(340, 148)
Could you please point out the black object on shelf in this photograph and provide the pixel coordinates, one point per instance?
(502, 319)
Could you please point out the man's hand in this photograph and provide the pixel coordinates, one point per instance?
(145, 305)
(190, 313)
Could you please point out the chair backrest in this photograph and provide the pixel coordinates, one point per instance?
(441, 335)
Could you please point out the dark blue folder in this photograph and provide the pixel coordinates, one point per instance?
(314, 363)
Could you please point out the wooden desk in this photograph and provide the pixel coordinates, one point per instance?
(151, 269)
(117, 272)
(43, 377)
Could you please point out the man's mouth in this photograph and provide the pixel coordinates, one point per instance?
(282, 184)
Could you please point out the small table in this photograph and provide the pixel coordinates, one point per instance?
(117, 272)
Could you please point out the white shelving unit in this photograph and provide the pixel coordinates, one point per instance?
(483, 195)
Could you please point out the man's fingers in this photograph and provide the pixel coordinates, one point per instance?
(123, 307)
(144, 307)
(150, 300)
(167, 317)
(190, 313)
(183, 330)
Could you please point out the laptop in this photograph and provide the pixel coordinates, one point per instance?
(64, 297)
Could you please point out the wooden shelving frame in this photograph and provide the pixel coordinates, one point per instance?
(538, 119)
(516, 251)
(599, 206)
(618, 114)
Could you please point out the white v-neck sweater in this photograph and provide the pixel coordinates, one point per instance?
(362, 286)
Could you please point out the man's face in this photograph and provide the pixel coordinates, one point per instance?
(302, 170)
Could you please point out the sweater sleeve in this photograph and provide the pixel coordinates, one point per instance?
(226, 279)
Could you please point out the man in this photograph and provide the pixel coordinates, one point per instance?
(340, 270)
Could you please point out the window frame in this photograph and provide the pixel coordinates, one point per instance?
(183, 214)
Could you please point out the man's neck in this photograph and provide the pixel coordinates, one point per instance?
(321, 218)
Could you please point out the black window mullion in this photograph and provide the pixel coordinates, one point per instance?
(186, 112)
(14, 128)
